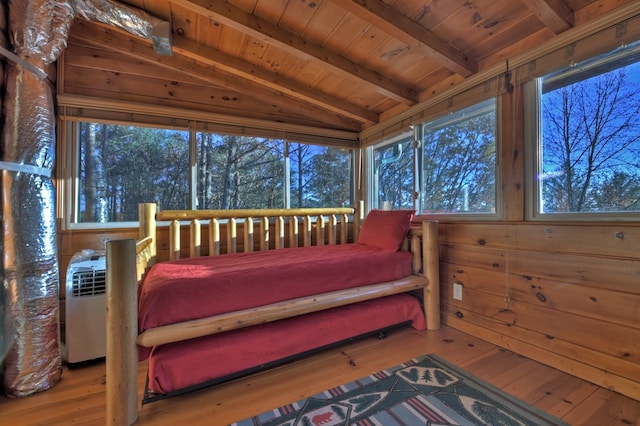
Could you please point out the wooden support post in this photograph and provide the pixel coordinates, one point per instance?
(122, 330)
(344, 229)
(320, 228)
(174, 240)
(232, 235)
(431, 270)
(248, 235)
(264, 234)
(294, 231)
(147, 226)
(195, 238)
(358, 219)
(214, 237)
(279, 242)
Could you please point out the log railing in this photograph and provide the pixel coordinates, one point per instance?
(315, 224)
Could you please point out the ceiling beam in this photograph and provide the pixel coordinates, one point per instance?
(221, 69)
(555, 14)
(260, 29)
(385, 17)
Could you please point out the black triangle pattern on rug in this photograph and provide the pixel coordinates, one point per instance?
(424, 391)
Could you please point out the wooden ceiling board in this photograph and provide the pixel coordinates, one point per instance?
(425, 77)
(184, 22)
(514, 49)
(434, 13)
(504, 39)
(208, 31)
(345, 35)
(488, 36)
(343, 64)
(326, 18)
(298, 15)
(476, 22)
(246, 5)
(590, 11)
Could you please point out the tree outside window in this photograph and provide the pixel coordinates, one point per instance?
(459, 161)
(320, 176)
(121, 166)
(590, 145)
(239, 172)
(393, 174)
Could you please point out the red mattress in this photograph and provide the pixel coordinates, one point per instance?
(180, 365)
(204, 286)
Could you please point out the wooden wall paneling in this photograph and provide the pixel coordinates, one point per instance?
(537, 347)
(511, 154)
(589, 301)
(614, 274)
(490, 258)
(475, 234)
(616, 239)
(572, 293)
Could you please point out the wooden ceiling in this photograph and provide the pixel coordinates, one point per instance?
(336, 64)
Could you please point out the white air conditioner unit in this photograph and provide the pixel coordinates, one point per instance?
(85, 319)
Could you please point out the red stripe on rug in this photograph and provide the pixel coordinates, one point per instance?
(425, 410)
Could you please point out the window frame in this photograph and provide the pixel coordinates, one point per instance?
(417, 132)
(533, 145)
(69, 169)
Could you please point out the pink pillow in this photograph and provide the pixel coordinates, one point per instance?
(385, 229)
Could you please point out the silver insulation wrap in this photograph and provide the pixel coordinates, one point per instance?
(38, 31)
(132, 20)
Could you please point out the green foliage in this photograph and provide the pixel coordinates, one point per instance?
(459, 164)
(121, 166)
(126, 165)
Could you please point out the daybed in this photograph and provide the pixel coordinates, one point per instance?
(207, 319)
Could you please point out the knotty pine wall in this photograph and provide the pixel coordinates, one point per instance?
(564, 293)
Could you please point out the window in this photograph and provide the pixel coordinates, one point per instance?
(239, 172)
(452, 170)
(459, 162)
(320, 176)
(393, 174)
(119, 166)
(588, 138)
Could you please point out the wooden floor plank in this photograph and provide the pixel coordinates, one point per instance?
(79, 398)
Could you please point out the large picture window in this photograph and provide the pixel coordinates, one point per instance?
(119, 166)
(588, 140)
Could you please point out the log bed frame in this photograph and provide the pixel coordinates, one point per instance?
(127, 261)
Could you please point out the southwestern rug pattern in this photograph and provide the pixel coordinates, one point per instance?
(423, 391)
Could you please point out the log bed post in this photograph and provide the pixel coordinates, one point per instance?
(122, 330)
(431, 270)
(147, 226)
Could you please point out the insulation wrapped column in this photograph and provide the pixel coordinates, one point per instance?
(37, 31)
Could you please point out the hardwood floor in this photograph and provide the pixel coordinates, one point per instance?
(79, 397)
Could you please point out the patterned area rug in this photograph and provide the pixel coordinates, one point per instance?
(423, 391)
